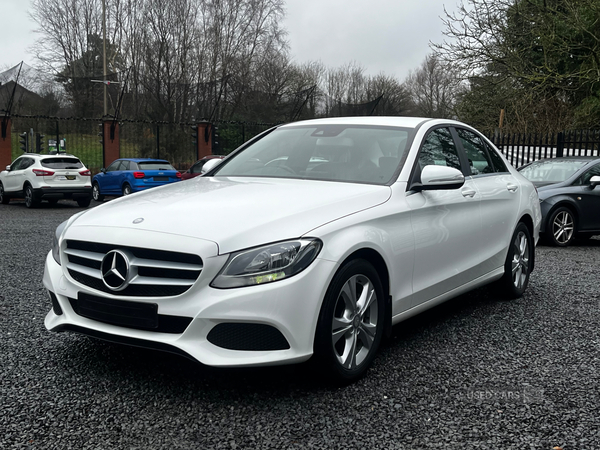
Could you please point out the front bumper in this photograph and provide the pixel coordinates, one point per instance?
(291, 306)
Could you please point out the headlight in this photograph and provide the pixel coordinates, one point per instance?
(55, 241)
(266, 264)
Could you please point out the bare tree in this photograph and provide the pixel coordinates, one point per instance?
(433, 88)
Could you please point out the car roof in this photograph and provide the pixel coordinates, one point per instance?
(56, 155)
(566, 159)
(142, 160)
(405, 122)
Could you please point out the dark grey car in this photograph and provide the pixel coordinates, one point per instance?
(569, 196)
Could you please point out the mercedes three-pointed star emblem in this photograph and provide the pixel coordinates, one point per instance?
(115, 270)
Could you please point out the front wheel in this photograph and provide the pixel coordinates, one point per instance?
(518, 264)
(351, 322)
(561, 227)
(3, 198)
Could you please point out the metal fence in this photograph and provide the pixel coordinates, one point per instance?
(78, 137)
(522, 148)
(170, 141)
(227, 136)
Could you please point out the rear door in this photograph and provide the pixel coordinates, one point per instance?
(446, 223)
(500, 197)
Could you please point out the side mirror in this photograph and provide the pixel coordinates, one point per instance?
(594, 181)
(8, 168)
(103, 170)
(209, 165)
(440, 177)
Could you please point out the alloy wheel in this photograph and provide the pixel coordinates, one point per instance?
(355, 321)
(563, 227)
(520, 261)
(28, 197)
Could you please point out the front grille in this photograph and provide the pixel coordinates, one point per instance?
(152, 273)
(247, 336)
(138, 315)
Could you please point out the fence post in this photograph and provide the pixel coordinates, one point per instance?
(204, 139)
(111, 142)
(5, 143)
(560, 144)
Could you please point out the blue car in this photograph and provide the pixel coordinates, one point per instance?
(128, 175)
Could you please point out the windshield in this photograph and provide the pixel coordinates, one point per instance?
(155, 165)
(350, 153)
(551, 171)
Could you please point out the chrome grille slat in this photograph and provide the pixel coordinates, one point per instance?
(152, 273)
(85, 270)
(155, 281)
(139, 262)
(85, 254)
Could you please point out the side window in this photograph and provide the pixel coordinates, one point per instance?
(17, 164)
(133, 166)
(584, 179)
(439, 149)
(113, 166)
(125, 165)
(499, 165)
(197, 168)
(479, 160)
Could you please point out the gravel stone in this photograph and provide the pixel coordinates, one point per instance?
(478, 372)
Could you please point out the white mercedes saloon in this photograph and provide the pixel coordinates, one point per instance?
(311, 240)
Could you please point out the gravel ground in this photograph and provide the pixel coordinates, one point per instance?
(478, 372)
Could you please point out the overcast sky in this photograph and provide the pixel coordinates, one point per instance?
(390, 36)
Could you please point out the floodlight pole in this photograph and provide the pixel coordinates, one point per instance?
(104, 53)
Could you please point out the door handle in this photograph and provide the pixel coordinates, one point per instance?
(512, 187)
(468, 193)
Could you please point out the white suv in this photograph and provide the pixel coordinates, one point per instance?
(37, 177)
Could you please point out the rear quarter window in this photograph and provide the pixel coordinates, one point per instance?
(62, 163)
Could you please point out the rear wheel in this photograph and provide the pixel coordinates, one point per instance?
(84, 202)
(519, 260)
(96, 193)
(351, 322)
(3, 198)
(561, 227)
(126, 189)
(30, 200)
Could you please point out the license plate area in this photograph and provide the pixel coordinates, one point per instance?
(160, 178)
(117, 312)
(66, 177)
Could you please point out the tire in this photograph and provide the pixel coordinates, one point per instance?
(560, 230)
(349, 335)
(3, 198)
(30, 200)
(126, 189)
(518, 264)
(96, 193)
(84, 202)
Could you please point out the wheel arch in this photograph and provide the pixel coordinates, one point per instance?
(528, 222)
(376, 260)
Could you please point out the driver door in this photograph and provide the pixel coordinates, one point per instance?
(446, 223)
